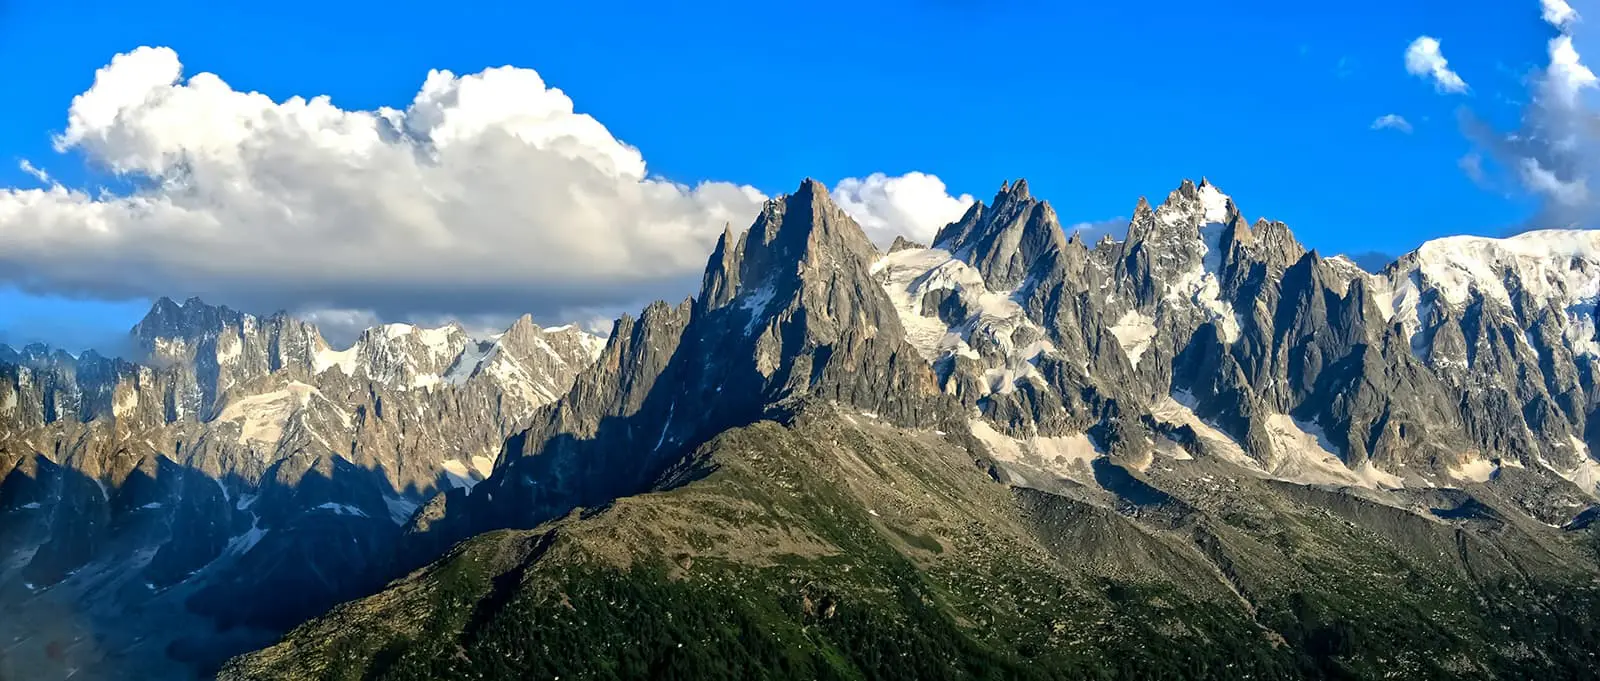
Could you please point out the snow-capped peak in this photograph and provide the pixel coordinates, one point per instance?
(1558, 268)
(1561, 266)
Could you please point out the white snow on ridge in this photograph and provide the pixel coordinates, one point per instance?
(468, 362)
(437, 340)
(903, 274)
(1201, 286)
(393, 331)
(1214, 201)
(1552, 265)
(909, 275)
(344, 360)
(448, 356)
(1559, 268)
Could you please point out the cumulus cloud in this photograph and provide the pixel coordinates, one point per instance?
(1555, 152)
(1392, 122)
(914, 205)
(487, 194)
(1424, 59)
(1558, 13)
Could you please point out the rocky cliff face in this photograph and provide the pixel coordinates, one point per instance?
(789, 313)
(1464, 357)
(1207, 389)
(1296, 367)
(1201, 452)
(244, 470)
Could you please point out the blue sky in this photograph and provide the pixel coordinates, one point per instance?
(1095, 103)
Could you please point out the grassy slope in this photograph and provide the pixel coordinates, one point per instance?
(840, 548)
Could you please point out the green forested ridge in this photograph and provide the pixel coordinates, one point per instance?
(834, 549)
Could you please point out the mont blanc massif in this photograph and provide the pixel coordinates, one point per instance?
(1203, 451)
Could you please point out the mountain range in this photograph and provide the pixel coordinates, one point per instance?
(1202, 451)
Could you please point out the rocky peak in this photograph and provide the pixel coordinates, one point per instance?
(1010, 192)
(902, 244)
(721, 280)
(190, 321)
(805, 230)
(1004, 241)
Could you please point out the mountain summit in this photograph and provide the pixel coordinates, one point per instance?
(1204, 451)
(1201, 452)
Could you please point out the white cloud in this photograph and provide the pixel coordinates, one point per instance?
(1392, 122)
(1558, 13)
(1424, 59)
(1567, 192)
(1566, 77)
(1556, 150)
(487, 194)
(37, 172)
(915, 205)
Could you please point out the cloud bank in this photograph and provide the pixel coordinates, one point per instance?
(486, 194)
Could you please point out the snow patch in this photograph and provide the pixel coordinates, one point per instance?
(1476, 470)
(437, 341)
(908, 276)
(483, 465)
(400, 510)
(1586, 475)
(242, 544)
(229, 349)
(1302, 452)
(459, 474)
(262, 418)
(756, 302)
(1178, 410)
(1070, 457)
(340, 509)
(344, 360)
(468, 362)
(904, 276)
(1134, 332)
